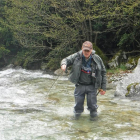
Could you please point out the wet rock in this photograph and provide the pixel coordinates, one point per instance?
(131, 63)
(119, 57)
(114, 62)
(8, 67)
(60, 72)
(18, 67)
(115, 78)
(133, 90)
(137, 69)
(129, 66)
(129, 86)
(43, 66)
(110, 86)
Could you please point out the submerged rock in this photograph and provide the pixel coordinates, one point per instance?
(129, 86)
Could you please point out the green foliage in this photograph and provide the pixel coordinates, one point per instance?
(21, 57)
(3, 51)
(133, 60)
(125, 38)
(123, 67)
(119, 69)
(100, 53)
(25, 57)
(8, 43)
(55, 56)
(56, 25)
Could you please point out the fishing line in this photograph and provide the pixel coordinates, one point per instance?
(55, 82)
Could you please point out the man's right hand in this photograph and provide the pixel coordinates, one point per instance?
(63, 68)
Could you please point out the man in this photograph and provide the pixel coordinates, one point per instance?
(88, 74)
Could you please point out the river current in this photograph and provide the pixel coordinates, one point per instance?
(37, 106)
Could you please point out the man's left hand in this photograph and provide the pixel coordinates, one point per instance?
(102, 92)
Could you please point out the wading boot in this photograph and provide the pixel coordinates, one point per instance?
(93, 115)
(77, 116)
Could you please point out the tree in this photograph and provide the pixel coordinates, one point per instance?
(62, 26)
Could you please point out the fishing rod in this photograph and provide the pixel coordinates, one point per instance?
(61, 75)
(66, 71)
(55, 82)
(99, 92)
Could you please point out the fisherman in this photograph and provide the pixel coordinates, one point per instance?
(89, 75)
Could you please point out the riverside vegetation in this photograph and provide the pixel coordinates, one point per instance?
(38, 34)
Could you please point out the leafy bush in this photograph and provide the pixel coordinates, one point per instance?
(3, 51)
(25, 56)
(100, 53)
(55, 56)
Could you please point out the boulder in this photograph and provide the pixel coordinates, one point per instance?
(137, 69)
(118, 58)
(114, 62)
(129, 86)
(60, 72)
(43, 66)
(133, 90)
(131, 63)
(8, 67)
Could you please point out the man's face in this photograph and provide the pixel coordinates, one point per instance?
(86, 53)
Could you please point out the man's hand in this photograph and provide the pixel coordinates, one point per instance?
(102, 92)
(63, 68)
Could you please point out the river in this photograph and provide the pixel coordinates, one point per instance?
(37, 106)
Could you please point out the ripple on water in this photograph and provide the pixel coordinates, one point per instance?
(31, 110)
(122, 125)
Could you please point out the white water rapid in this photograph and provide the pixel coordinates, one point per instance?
(37, 106)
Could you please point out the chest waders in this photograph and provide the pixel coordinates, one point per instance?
(88, 90)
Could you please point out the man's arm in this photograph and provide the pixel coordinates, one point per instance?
(68, 61)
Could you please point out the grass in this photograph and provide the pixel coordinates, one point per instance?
(120, 69)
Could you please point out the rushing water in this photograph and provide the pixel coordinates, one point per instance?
(36, 106)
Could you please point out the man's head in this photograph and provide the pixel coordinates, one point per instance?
(87, 49)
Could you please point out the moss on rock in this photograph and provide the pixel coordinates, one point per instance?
(132, 85)
(132, 62)
(114, 62)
